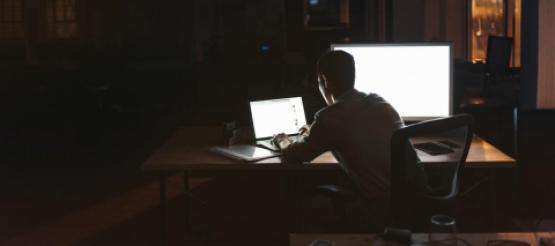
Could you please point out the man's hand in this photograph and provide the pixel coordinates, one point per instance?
(281, 140)
(304, 130)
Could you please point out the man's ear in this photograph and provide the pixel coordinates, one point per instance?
(329, 86)
(325, 81)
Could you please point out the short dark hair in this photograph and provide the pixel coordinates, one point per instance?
(338, 66)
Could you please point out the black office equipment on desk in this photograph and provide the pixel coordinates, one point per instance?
(432, 148)
(449, 144)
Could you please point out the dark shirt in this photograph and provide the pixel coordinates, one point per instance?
(357, 128)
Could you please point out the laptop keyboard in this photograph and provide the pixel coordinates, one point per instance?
(269, 145)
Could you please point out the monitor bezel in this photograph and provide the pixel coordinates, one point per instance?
(448, 44)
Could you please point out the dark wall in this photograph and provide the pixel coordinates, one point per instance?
(535, 161)
(408, 20)
(529, 70)
(130, 57)
(431, 20)
(143, 49)
(157, 29)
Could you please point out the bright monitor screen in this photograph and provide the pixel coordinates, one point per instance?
(273, 116)
(414, 78)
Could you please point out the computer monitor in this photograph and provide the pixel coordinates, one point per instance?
(273, 116)
(416, 79)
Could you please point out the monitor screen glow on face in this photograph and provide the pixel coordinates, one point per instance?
(414, 79)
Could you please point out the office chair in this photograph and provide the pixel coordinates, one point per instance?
(339, 196)
(419, 191)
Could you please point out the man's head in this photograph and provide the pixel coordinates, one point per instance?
(336, 74)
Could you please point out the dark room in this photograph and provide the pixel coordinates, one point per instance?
(277, 122)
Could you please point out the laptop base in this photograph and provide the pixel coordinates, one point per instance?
(267, 143)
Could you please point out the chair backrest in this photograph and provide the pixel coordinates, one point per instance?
(498, 56)
(451, 138)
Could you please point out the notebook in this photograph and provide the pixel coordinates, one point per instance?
(273, 116)
(269, 117)
(245, 152)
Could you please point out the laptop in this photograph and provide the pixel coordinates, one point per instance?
(269, 117)
(273, 116)
(244, 152)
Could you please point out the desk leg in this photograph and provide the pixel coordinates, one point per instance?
(491, 206)
(292, 183)
(162, 185)
(187, 201)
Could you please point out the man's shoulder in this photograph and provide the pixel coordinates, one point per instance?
(373, 97)
(342, 106)
(363, 104)
(329, 110)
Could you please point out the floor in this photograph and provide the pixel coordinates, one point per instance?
(98, 208)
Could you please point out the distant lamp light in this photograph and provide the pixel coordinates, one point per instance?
(314, 2)
(264, 48)
(476, 101)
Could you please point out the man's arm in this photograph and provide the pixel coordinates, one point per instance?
(311, 146)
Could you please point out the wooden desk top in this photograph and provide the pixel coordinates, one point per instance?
(480, 155)
(418, 239)
(187, 150)
(483, 154)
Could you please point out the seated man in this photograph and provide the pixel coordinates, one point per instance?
(355, 126)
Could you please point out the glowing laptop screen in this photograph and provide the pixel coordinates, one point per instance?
(275, 116)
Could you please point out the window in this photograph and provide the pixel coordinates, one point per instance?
(488, 18)
(62, 19)
(497, 18)
(11, 19)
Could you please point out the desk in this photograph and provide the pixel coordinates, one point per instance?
(477, 239)
(186, 151)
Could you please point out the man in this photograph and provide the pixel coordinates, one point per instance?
(355, 126)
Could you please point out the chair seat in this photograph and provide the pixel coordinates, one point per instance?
(437, 193)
